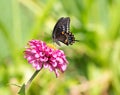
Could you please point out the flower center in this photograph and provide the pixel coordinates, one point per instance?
(52, 46)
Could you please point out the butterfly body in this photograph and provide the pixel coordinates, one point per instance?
(61, 32)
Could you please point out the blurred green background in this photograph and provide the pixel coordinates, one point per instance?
(94, 62)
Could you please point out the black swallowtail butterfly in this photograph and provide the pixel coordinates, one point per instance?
(61, 32)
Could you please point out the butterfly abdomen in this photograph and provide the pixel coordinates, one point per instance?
(71, 38)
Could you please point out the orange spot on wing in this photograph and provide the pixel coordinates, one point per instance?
(66, 41)
(62, 32)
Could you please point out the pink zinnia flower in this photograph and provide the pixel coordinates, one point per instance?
(40, 55)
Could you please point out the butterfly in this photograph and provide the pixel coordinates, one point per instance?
(61, 32)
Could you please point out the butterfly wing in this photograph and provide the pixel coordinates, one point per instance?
(61, 32)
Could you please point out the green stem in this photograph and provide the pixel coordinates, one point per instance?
(25, 86)
(32, 77)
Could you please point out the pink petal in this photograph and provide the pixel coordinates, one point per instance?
(63, 67)
(50, 68)
(54, 64)
(45, 65)
(37, 55)
(56, 72)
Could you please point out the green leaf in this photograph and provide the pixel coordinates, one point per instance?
(22, 90)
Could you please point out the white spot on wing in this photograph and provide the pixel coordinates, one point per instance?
(63, 27)
(67, 27)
